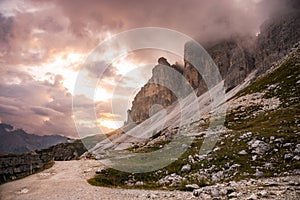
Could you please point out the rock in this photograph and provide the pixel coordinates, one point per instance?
(233, 195)
(215, 192)
(297, 149)
(258, 173)
(268, 165)
(186, 168)
(192, 186)
(23, 191)
(191, 159)
(287, 145)
(288, 156)
(170, 180)
(139, 183)
(252, 197)
(196, 193)
(20, 165)
(296, 158)
(275, 33)
(216, 149)
(216, 177)
(263, 193)
(200, 157)
(279, 140)
(246, 135)
(151, 196)
(243, 152)
(157, 91)
(258, 146)
(234, 167)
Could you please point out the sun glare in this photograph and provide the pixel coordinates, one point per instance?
(102, 95)
(111, 124)
(124, 66)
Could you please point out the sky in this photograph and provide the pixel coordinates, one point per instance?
(45, 43)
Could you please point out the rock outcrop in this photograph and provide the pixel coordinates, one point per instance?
(15, 166)
(235, 57)
(165, 87)
(277, 36)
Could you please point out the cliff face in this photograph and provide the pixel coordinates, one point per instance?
(276, 37)
(160, 90)
(235, 57)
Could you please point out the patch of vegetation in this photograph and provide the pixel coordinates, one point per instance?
(282, 123)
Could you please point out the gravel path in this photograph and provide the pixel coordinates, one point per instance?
(67, 180)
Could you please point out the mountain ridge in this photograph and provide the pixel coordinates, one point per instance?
(18, 141)
(236, 57)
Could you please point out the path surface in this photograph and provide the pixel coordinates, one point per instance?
(66, 180)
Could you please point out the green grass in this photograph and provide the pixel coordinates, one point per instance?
(282, 122)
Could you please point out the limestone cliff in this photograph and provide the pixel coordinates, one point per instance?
(276, 37)
(160, 90)
(235, 57)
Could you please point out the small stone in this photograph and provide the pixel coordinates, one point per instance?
(197, 192)
(192, 186)
(139, 183)
(186, 168)
(200, 157)
(296, 158)
(252, 197)
(216, 149)
(297, 150)
(243, 152)
(268, 165)
(259, 173)
(279, 140)
(287, 144)
(234, 167)
(263, 193)
(151, 196)
(191, 159)
(258, 146)
(233, 195)
(288, 156)
(216, 177)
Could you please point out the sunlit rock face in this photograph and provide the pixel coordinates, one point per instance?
(164, 87)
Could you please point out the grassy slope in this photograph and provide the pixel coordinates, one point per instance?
(280, 123)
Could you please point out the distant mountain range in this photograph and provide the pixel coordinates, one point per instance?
(18, 141)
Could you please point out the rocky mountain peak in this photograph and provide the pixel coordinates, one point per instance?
(235, 57)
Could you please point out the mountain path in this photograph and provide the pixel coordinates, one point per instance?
(68, 180)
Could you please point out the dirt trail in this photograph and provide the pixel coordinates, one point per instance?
(67, 180)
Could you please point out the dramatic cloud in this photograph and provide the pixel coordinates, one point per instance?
(43, 44)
